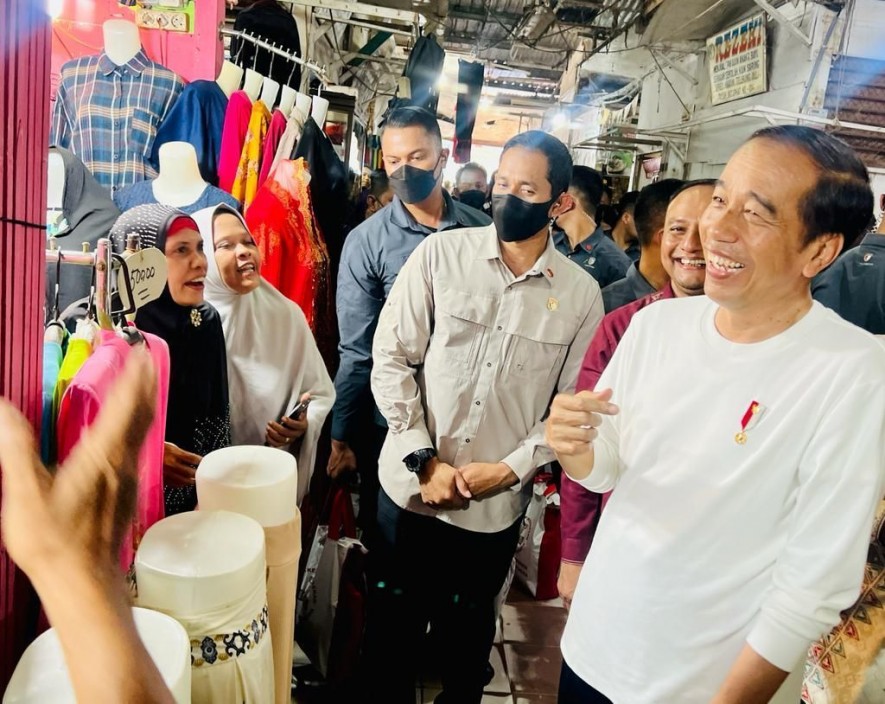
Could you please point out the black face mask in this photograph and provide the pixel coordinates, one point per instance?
(412, 184)
(473, 198)
(516, 219)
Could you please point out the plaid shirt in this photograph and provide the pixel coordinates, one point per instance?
(108, 115)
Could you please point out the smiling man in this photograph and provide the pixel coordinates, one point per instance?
(744, 432)
(481, 328)
(683, 259)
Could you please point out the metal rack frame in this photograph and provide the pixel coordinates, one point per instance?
(306, 63)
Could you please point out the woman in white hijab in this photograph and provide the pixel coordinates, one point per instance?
(273, 361)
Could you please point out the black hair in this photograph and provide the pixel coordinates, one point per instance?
(413, 116)
(559, 161)
(693, 184)
(470, 166)
(651, 208)
(379, 183)
(587, 186)
(841, 202)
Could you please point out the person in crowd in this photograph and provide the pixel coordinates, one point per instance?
(623, 230)
(274, 366)
(683, 259)
(379, 194)
(472, 184)
(198, 413)
(580, 238)
(373, 254)
(64, 529)
(746, 475)
(607, 194)
(649, 274)
(480, 329)
(854, 286)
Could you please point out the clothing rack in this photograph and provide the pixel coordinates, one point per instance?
(306, 63)
(103, 262)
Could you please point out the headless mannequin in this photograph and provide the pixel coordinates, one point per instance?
(179, 182)
(253, 83)
(121, 41)
(318, 110)
(302, 105)
(229, 78)
(270, 89)
(287, 100)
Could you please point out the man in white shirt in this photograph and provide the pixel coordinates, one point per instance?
(747, 450)
(482, 327)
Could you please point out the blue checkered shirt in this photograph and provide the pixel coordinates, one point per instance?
(108, 115)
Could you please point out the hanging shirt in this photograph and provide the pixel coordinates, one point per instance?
(623, 291)
(271, 142)
(79, 409)
(198, 119)
(52, 358)
(598, 255)
(108, 115)
(291, 135)
(143, 194)
(246, 183)
(233, 136)
(76, 355)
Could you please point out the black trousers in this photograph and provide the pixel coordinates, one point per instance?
(573, 690)
(367, 448)
(429, 572)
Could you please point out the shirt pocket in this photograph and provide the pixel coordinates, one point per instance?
(538, 347)
(461, 324)
(143, 129)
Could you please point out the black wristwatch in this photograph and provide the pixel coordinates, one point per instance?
(415, 461)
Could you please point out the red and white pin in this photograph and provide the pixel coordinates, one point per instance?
(750, 419)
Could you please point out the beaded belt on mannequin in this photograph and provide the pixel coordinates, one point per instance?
(222, 647)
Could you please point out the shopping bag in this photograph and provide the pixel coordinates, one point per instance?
(538, 557)
(331, 611)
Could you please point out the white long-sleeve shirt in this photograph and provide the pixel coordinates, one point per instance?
(708, 544)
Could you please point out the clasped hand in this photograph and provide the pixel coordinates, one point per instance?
(446, 487)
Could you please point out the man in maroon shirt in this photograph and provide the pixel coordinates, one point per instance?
(683, 259)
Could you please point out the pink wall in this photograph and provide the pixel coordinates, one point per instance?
(77, 32)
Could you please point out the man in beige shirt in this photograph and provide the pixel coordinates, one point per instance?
(482, 327)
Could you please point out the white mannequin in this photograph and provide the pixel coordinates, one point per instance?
(319, 109)
(302, 105)
(55, 184)
(121, 41)
(179, 182)
(229, 78)
(252, 86)
(270, 89)
(287, 100)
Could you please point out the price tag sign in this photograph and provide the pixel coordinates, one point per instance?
(147, 276)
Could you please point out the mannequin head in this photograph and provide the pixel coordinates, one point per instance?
(229, 78)
(121, 41)
(236, 254)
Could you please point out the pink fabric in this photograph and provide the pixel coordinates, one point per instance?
(271, 142)
(79, 408)
(580, 510)
(233, 136)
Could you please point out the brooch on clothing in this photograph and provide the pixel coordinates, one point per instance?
(749, 420)
(196, 318)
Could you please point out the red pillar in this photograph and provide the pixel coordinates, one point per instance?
(24, 126)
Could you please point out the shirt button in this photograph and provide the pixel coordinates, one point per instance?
(476, 402)
(488, 364)
(467, 441)
(500, 328)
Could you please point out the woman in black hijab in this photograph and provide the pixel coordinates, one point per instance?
(198, 417)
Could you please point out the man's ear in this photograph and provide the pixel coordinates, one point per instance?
(658, 236)
(823, 252)
(564, 204)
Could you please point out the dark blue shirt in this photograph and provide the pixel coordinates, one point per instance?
(631, 288)
(373, 254)
(854, 286)
(598, 255)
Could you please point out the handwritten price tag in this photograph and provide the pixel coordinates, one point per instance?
(147, 276)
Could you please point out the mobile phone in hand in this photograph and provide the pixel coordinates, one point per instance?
(299, 410)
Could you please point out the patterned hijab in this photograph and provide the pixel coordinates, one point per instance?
(198, 418)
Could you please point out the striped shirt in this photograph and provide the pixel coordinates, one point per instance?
(108, 115)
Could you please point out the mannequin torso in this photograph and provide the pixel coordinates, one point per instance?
(55, 186)
(179, 182)
(229, 78)
(252, 86)
(121, 41)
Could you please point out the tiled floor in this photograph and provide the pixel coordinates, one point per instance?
(525, 657)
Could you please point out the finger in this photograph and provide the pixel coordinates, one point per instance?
(461, 485)
(23, 474)
(561, 418)
(188, 458)
(568, 433)
(305, 397)
(598, 402)
(277, 438)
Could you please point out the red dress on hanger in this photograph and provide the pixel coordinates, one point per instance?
(233, 136)
(271, 142)
(294, 257)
